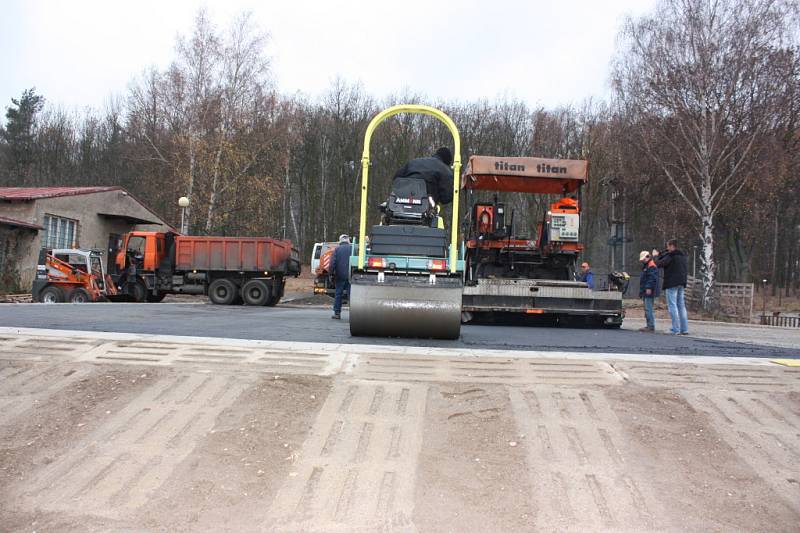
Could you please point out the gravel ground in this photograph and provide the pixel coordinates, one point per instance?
(153, 434)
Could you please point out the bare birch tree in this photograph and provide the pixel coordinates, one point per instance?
(701, 81)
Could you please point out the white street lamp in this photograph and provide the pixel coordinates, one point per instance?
(183, 203)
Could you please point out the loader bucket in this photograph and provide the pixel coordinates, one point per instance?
(405, 308)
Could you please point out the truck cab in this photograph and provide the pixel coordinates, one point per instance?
(318, 251)
(137, 264)
(143, 247)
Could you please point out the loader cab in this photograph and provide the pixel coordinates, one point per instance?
(78, 259)
(98, 269)
(84, 261)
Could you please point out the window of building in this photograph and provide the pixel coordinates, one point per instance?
(59, 232)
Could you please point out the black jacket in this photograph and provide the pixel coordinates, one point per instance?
(438, 177)
(340, 262)
(676, 268)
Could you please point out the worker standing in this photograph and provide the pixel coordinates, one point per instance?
(586, 275)
(340, 265)
(676, 267)
(648, 290)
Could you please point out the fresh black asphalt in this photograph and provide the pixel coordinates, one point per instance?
(313, 324)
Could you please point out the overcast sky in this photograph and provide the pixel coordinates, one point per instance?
(78, 53)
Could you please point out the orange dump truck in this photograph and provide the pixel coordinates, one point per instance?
(230, 270)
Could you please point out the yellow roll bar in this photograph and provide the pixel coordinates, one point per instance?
(380, 117)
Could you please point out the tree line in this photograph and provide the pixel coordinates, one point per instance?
(698, 142)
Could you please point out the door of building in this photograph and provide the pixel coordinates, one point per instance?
(114, 242)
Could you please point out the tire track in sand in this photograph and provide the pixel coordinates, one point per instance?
(357, 468)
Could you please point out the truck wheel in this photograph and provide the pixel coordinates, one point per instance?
(79, 296)
(277, 286)
(222, 292)
(138, 292)
(51, 295)
(255, 292)
(275, 294)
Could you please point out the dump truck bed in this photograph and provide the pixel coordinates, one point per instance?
(240, 254)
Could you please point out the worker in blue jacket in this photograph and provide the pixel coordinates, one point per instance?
(586, 275)
(340, 267)
(648, 290)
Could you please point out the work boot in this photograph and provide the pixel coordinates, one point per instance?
(647, 329)
(336, 316)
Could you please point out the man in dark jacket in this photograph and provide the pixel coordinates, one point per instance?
(648, 290)
(436, 172)
(340, 268)
(675, 265)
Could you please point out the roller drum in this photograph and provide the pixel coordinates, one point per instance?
(406, 309)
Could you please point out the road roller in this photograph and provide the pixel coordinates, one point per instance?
(407, 281)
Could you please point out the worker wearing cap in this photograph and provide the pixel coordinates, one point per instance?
(586, 275)
(340, 266)
(648, 290)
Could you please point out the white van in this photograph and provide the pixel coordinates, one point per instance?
(316, 253)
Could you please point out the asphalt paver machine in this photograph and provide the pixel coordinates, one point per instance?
(512, 269)
(408, 280)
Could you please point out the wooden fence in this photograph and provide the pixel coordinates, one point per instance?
(735, 299)
(782, 321)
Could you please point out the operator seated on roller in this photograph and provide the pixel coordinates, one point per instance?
(419, 188)
(436, 172)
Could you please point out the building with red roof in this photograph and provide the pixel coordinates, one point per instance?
(32, 218)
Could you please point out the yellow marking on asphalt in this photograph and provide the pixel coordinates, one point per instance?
(786, 362)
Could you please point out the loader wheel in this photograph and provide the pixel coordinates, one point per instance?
(79, 296)
(51, 295)
(255, 292)
(222, 292)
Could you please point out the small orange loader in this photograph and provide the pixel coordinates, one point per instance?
(71, 275)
